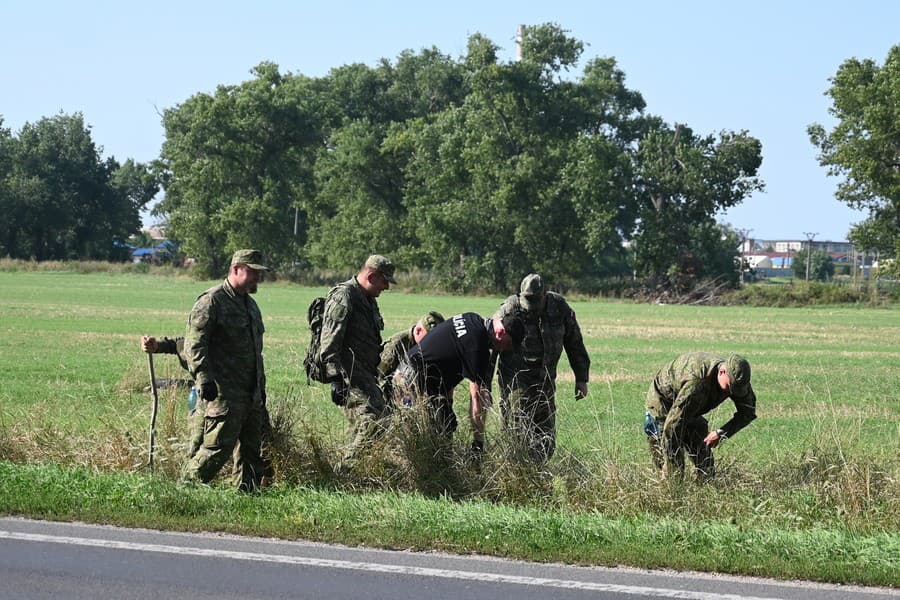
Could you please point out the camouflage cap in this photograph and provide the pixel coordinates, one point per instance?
(381, 264)
(739, 373)
(531, 292)
(250, 258)
(431, 319)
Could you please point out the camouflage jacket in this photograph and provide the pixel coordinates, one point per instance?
(546, 335)
(351, 334)
(688, 388)
(223, 343)
(394, 351)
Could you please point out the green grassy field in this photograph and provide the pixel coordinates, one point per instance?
(820, 462)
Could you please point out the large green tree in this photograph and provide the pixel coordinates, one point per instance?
(504, 183)
(61, 199)
(474, 169)
(863, 148)
(359, 206)
(683, 180)
(8, 225)
(237, 168)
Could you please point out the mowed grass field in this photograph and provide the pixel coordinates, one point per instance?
(822, 455)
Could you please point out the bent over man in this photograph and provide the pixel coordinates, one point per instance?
(223, 348)
(456, 349)
(393, 353)
(681, 393)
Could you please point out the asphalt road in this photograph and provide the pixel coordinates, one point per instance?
(74, 561)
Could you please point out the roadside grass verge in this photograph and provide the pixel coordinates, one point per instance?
(410, 521)
(830, 516)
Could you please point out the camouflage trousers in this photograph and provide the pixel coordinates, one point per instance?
(237, 434)
(441, 418)
(365, 409)
(668, 455)
(667, 450)
(528, 405)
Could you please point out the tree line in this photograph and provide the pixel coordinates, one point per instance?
(59, 199)
(471, 169)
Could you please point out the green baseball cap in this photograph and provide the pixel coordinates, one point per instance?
(431, 320)
(381, 264)
(738, 370)
(250, 258)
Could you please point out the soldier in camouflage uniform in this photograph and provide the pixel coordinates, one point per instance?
(394, 350)
(167, 345)
(527, 378)
(350, 345)
(223, 347)
(681, 393)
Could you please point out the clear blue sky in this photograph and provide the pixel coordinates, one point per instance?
(761, 66)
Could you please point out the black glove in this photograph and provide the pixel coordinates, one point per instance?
(477, 448)
(209, 391)
(339, 391)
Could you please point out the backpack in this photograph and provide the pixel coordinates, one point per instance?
(315, 314)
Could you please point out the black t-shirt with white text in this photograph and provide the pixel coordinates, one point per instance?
(458, 348)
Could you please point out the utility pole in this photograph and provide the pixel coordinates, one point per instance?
(809, 238)
(790, 259)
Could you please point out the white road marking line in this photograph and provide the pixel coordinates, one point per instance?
(380, 568)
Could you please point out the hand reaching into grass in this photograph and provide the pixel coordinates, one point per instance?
(580, 389)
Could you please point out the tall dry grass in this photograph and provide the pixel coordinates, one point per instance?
(831, 484)
(15, 265)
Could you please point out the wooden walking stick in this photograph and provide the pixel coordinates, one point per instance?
(153, 412)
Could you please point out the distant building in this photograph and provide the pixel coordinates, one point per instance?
(824, 245)
(774, 258)
(770, 264)
(750, 246)
(157, 254)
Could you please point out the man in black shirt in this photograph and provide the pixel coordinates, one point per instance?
(456, 349)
